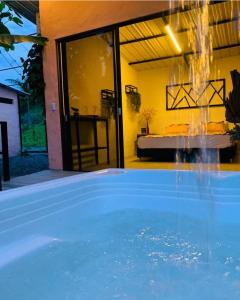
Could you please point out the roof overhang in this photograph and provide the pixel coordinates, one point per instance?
(26, 8)
(4, 86)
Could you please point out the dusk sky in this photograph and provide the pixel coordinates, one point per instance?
(12, 58)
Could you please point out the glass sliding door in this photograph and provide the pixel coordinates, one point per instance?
(91, 102)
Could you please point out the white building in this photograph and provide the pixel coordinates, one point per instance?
(9, 112)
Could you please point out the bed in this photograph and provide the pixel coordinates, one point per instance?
(163, 147)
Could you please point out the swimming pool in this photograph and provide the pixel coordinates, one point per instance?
(122, 234)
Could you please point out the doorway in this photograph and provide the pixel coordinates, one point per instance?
(91, 103)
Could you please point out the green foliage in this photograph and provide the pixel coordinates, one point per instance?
(34, 138)
(32, 106)
(7, 40)
(135, 100)
(33, 80)
(32, 125)
(235, 132)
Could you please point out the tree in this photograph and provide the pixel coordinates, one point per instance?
(33, 81)
(7, 40)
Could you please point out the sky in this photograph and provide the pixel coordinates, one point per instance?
(12, 58)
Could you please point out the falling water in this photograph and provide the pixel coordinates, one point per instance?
(200, 63)
(199, 69)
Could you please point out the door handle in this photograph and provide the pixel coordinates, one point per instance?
(119, 110)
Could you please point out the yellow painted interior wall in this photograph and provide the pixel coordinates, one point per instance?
(90, 69)
(130, 117)
(152, 86)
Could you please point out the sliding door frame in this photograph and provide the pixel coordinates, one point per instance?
(64, 95)
(63, 82)
(64, 106)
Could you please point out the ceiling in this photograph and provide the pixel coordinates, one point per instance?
(148, 41)
(147, 45)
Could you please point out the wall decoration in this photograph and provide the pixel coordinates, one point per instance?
(108, 102)
(134, 96)
(182, 96)
(147, 114)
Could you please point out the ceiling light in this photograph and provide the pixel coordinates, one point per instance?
(172, 36)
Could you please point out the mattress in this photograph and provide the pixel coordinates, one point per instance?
(215, 141)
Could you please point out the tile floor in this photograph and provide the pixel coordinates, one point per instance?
(136, 163)
(38, 177)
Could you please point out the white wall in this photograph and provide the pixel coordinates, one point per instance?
(10, 114)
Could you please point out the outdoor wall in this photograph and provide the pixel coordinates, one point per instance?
(152, 84)
(9, 113)
(63, 18)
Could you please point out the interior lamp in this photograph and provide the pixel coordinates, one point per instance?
(173, 38)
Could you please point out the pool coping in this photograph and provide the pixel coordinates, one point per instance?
(54, 183)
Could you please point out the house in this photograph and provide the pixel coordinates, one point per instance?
(9, 112)
(100, 53)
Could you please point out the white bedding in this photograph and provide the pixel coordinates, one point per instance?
(214, 141)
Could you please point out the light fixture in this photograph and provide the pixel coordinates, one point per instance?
(172, 36)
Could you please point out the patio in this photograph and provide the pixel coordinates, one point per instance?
(35, 178)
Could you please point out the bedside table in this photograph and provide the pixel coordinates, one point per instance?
(135, 142)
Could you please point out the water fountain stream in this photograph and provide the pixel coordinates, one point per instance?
(198, 68)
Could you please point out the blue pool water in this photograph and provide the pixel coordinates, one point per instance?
(122, 235)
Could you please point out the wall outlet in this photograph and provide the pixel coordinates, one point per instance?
(53, 106)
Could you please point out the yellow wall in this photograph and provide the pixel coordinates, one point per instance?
(90, 69)
(153, 83)
(130, 117)
(152, 87)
